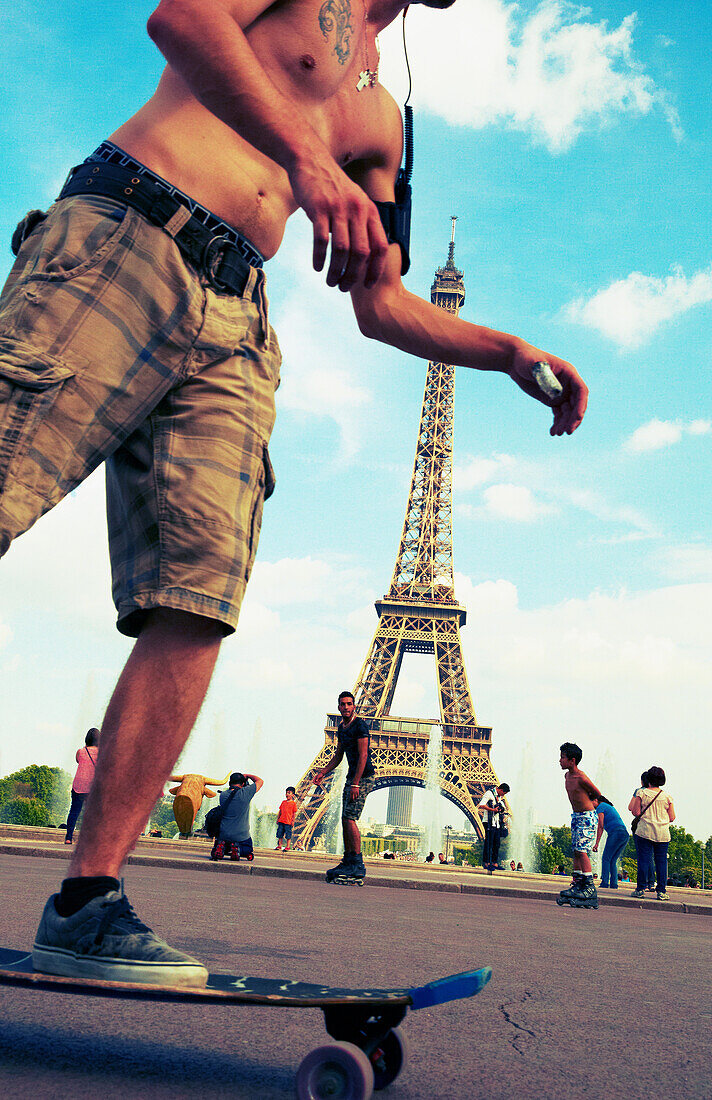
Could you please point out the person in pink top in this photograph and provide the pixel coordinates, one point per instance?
(83, 779)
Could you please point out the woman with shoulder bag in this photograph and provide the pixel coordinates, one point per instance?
(83, 779)
(652, 811)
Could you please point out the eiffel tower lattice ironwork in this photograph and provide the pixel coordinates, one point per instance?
(420, 614)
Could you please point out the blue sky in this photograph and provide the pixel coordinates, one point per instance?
(574, 145)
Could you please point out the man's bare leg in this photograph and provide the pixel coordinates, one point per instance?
(149, 718)
(89, 930)
(352, 837)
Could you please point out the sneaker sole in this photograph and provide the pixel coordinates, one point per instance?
(67, 964)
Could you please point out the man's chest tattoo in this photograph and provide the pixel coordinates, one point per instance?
(335, 17)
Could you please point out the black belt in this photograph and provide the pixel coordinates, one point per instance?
(224, 266)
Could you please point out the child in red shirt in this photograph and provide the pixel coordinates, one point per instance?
(285, 819)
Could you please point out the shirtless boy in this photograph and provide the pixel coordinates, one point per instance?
(584, 819)
(134, 331)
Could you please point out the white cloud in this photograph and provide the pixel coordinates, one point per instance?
(303, 581)
(475, 470)
(515, 502)
(320, 369)
(61, 565)
(692, 562)
(631, 310)
(663, 433)
(592, 502)
(624, 675)
(552, 72)
(654, 435)
(523, 501)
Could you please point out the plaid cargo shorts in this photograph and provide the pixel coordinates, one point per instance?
(114, 349)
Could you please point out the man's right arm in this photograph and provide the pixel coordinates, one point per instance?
(333, 763)
(204, 41)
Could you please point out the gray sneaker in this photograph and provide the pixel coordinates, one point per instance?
(106, 940)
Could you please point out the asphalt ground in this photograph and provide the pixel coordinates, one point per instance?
(582, 1003)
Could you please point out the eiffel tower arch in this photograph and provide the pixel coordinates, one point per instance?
(420, 614)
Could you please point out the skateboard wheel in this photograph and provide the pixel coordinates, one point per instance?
(389, 1058)
(337, 1071)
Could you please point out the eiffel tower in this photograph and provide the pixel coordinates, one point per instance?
(420, 614)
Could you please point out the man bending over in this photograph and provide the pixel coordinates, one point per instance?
(134, 332)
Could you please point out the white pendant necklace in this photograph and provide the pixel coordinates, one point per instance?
(368, 77)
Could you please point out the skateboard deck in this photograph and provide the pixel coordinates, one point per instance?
(369, 1051)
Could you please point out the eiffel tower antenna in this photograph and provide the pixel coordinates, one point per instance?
(419, 614)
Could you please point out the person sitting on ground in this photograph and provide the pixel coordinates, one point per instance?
(520, 866)
(234, 837)
(285, 818)
(512, 865)
(430, 857)
(83, 779)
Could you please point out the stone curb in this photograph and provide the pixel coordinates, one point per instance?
(245, 868)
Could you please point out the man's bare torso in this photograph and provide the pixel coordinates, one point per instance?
(313, 52)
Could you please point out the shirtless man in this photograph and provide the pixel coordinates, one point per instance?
(134, 331)
(584, 820)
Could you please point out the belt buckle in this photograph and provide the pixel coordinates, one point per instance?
(212, 255)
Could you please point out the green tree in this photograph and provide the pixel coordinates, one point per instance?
(561, 839)
(547, 856)
(162, 818)
(39, 782)
(24, 811)
(472, 855)
(684, 855)
(630, 866)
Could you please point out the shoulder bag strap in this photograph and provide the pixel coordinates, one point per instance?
(86, 750)
(638, 816)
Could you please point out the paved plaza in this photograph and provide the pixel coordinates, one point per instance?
(615, 1002)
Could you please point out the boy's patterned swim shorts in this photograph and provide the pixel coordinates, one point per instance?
(583, 830)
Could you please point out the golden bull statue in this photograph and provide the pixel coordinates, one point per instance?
(189, 796)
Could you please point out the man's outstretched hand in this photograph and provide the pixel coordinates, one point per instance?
(342, 212)
(570, 406)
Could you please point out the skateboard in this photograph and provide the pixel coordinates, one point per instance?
(369, 1049)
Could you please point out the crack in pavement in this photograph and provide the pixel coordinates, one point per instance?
(519, 1030)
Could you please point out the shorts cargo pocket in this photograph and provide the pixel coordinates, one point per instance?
(27, 392)
(270, 479)
(263, 489)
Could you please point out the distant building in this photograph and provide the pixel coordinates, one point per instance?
(400, 806)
